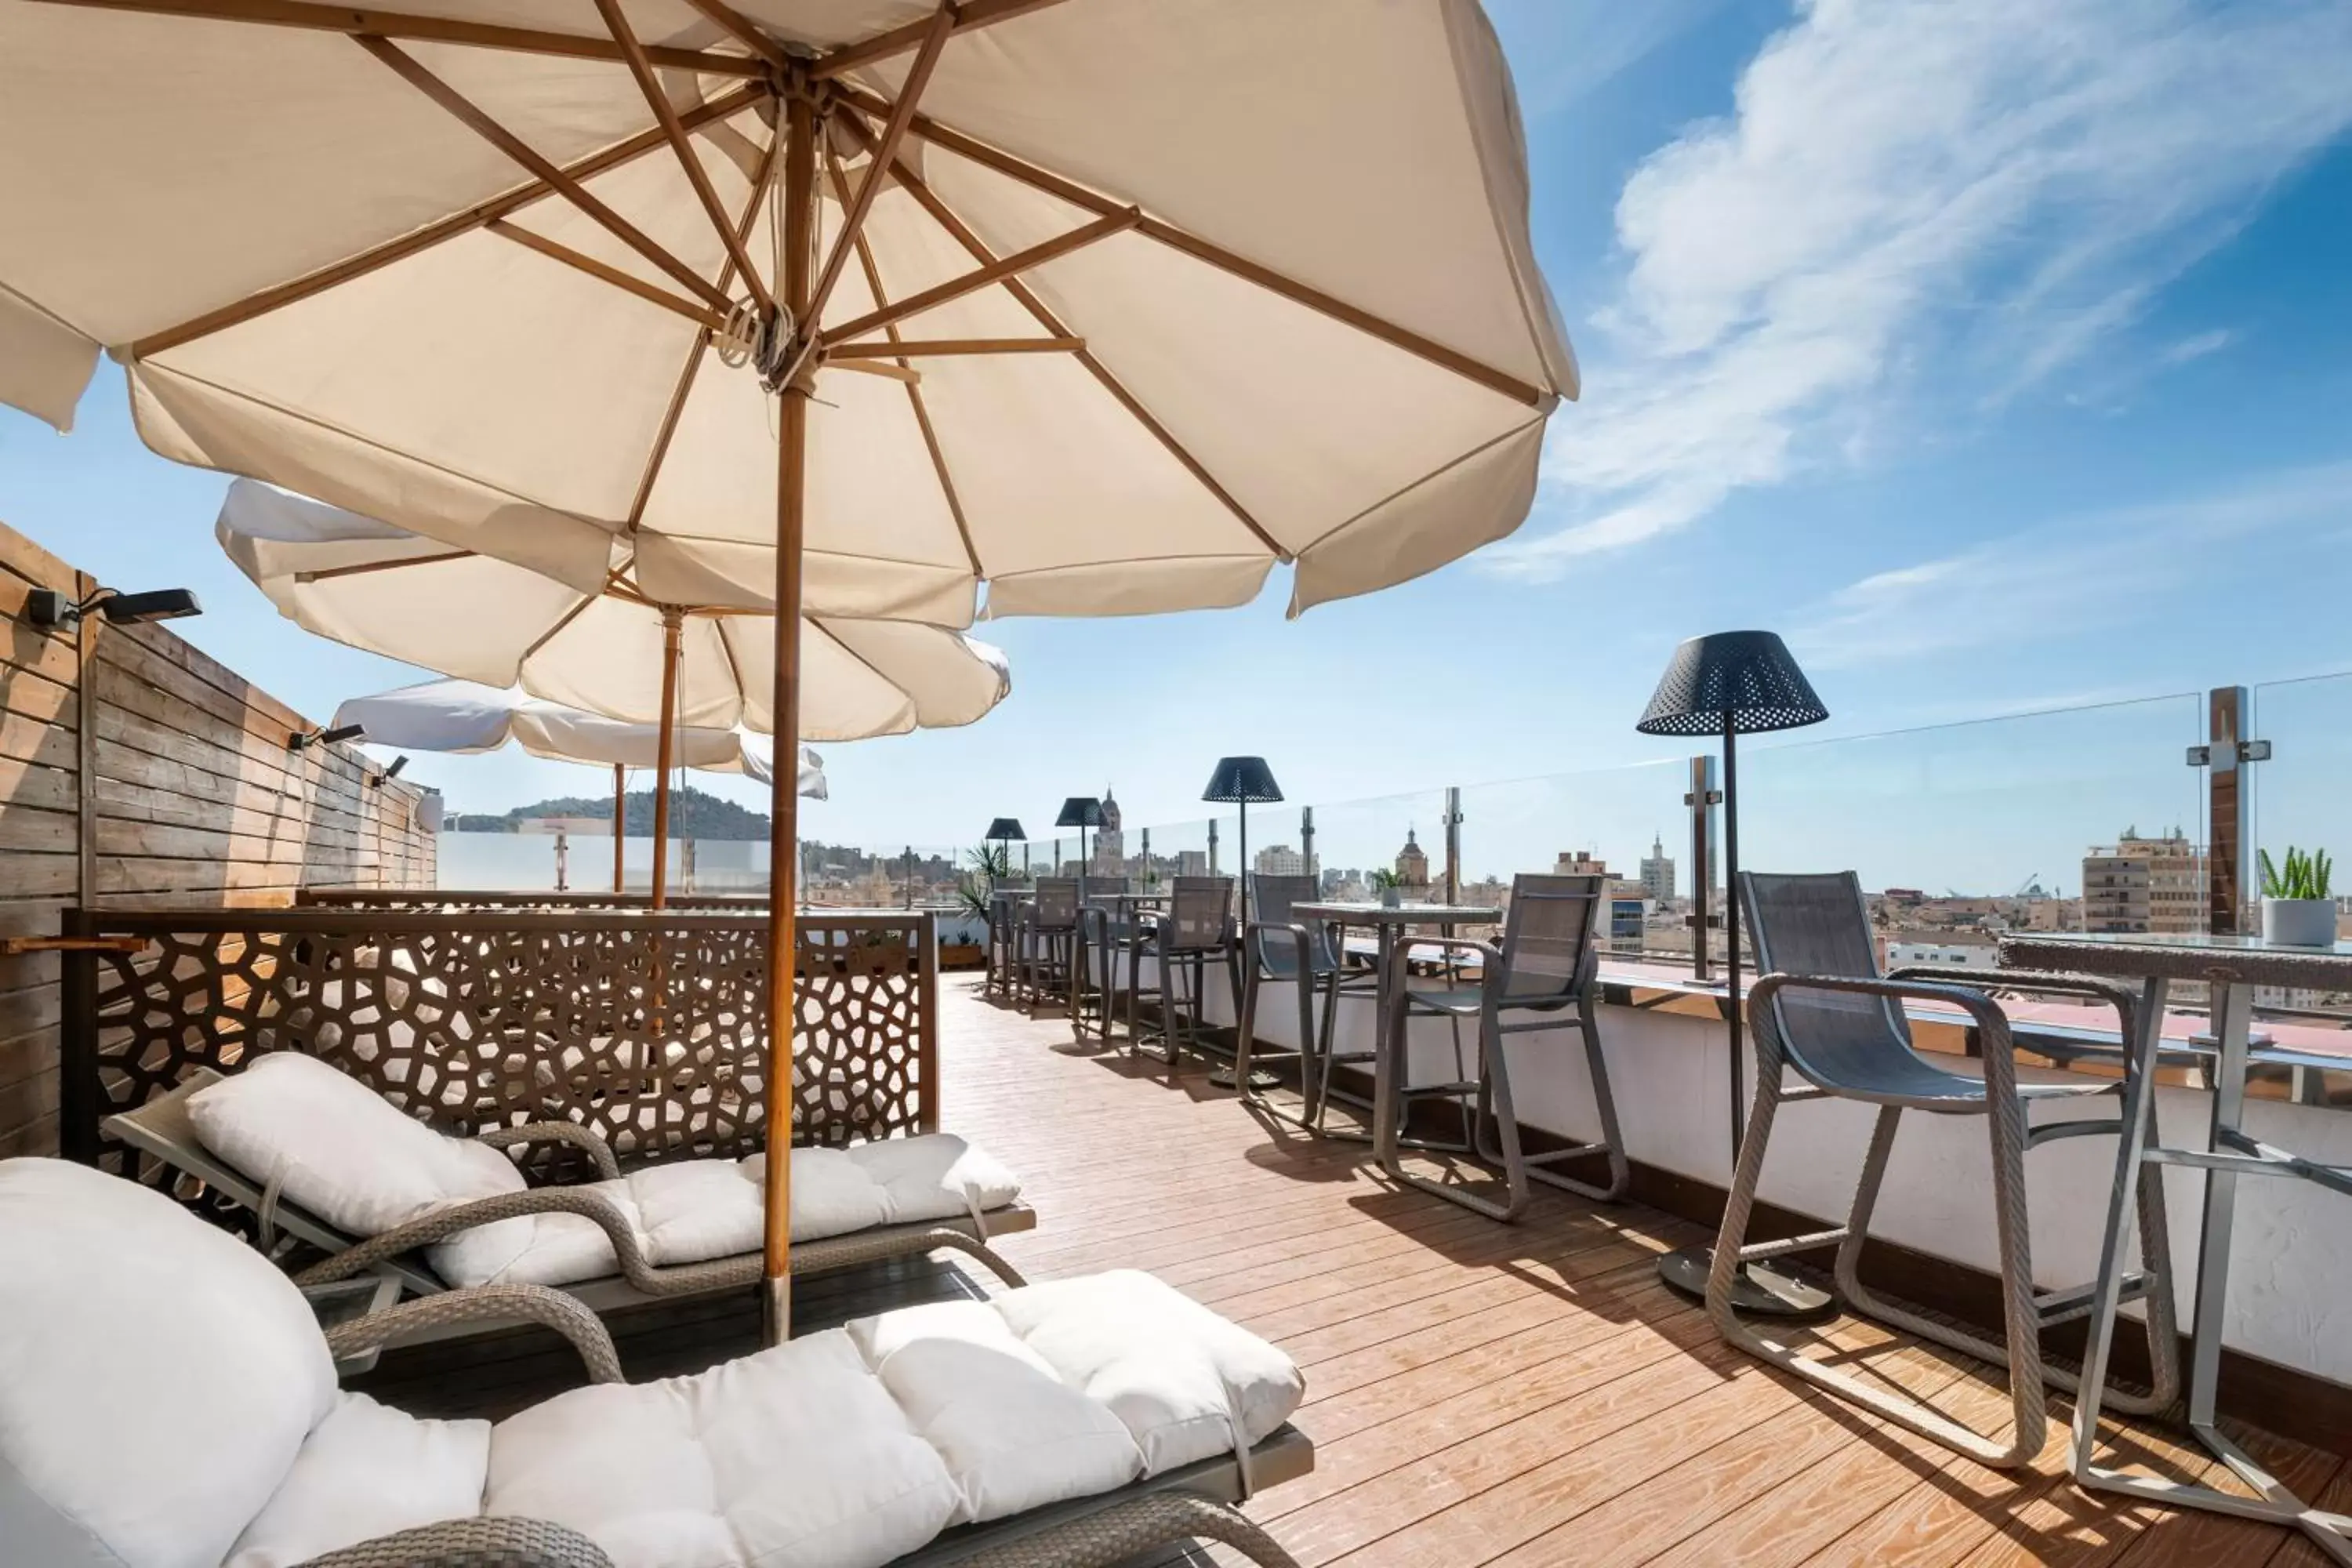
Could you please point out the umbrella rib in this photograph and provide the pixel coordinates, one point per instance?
(301, 15)
(914, 392)
(924, 348)
(978, 249)
(969, 16)
(617, 23)
(734, 667)
(472, 117)
(668, 430)
(603, 272)
(1214, 254)
(477, 217)
(1118, 221)
(853, 220)
(742, 30)
(548, 635)
(368, 568)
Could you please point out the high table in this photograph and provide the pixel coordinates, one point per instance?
(1388, 924)
(2233, 966)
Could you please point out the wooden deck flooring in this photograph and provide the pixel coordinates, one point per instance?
(1477, 1392)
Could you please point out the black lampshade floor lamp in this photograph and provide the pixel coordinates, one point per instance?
(1001, 833)
(1731, 684)
(1242, 781)
(1081, 812)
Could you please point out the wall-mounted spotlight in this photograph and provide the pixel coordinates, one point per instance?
(376, 781)
(51, 608)
(298, 739)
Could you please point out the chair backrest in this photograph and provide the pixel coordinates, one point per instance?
(1055, 906)
(1200, 912)
(1549, 934)
(1818, 925)
(1271, 899)
(1104, 891)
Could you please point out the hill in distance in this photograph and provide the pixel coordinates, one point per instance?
(692, 815)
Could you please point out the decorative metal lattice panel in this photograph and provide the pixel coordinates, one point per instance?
(649, 1029)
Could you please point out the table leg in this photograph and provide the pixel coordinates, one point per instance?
(2138, 1117)
(1387, 1071)
(2230, 1008)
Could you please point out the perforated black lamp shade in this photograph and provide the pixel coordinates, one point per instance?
(1246, 780)
(1004, 829)
(1748, 675)
(1080, 811)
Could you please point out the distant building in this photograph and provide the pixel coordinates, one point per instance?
(1957, 954)
(1577, 863)
(1192, 862)
(1657, 877)
(1412, 864)
(2139, 884)
(1110, 844)
(1281, 860)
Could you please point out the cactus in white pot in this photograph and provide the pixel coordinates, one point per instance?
(2297, 908)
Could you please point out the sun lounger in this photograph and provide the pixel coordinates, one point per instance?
(318, 1156)
(167, 1401)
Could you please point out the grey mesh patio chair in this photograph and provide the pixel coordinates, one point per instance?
(1822, 1009)
(1049, 943)
(1005, 902)
(1106, 929)
(1277, 947)
(1196, 928)
(1543, 976)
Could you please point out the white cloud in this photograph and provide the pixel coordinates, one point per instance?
(2063, 576)
(1917, 199)
(2198, 346)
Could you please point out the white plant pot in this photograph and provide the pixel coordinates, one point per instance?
(1391, 897)
(2299, 922)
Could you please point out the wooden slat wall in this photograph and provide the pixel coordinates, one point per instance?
(136, 773)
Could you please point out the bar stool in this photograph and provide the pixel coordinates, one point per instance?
(1106, 925)
(1196, 928)
(1049, 942)
(1276, 946)
(1005, 902)
(1823, 1009)
(1545, 976)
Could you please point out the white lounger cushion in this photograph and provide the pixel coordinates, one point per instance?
(339, 1150)
(157, 1376)
(847, 1448)
(367, 1470)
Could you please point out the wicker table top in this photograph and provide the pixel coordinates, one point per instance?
(2140, 956)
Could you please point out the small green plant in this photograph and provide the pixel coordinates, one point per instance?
(2306, 875)
(1383, 878)
(990, 864)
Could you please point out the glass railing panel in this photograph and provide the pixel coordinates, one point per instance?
(1627, 823)
(2075, 819)
(2299, 792)
(1402, 834)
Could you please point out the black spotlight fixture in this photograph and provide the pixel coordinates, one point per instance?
(1081, 812)
(1732, 684)
(301, 740)
(49, 608)
(1245, 782)
(398, 763)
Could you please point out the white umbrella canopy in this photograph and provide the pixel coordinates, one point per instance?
(465, 718)
(483, 620)
(834, 306)
(1288, 306)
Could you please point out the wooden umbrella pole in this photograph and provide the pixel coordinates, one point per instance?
(662, 755)
(620, 822)
(784, 858)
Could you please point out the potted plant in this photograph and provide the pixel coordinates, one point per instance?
(2296, 909)
(1390, 886)
(990, 864)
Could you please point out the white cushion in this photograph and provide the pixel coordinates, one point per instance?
(340, 1149)
(851, 1447)
(691, 1211)
(367, 1470)
(794, 1458)
(157, 1376)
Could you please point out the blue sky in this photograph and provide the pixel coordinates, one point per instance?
(2000, 356)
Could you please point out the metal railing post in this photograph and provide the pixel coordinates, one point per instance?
(911, 876)
(1213, 846)
(2230, 879)
(1453, 844)
(1307, 843)
(1704, 797)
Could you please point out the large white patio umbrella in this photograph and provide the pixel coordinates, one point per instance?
(465, 718)
(608, 653)
(1146, 296)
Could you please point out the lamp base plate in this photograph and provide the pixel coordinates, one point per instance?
(1758, 1289)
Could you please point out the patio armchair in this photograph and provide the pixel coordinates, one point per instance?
(1822, 1009)
(1005, 902)
(315, 1155)
(1544, 975)
(1277, 947)
(166, 1398)
(1106, 929)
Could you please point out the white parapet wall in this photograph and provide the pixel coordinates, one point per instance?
(2291, 1275)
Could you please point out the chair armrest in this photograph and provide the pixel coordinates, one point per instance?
(2114, 992)
(1300, 938)
(571, 1132)
(442, 1224)
(487, 1303)
(1490, 967)
(472, 1543)
(1992, 1023)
